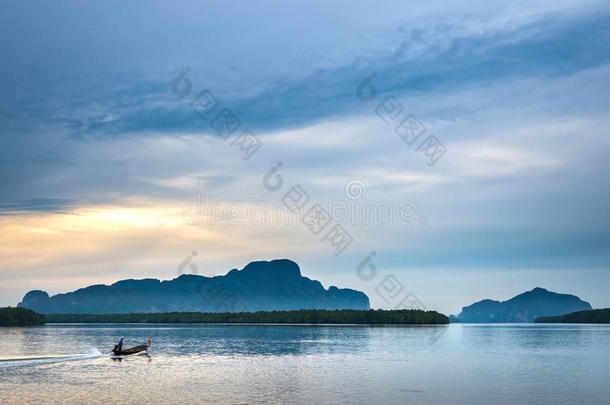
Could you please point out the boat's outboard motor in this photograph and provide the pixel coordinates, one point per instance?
(116, 349)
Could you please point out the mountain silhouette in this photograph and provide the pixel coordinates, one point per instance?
(522, 308)
(260, 286)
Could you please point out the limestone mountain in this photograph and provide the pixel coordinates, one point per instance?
(260, 286)
(522, 308)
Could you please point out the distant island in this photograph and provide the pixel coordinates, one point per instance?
(304, 316)
(20, 317)
(523, 308)
(591, 316)
(260, 286)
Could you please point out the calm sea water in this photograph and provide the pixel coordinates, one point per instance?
(249, 364)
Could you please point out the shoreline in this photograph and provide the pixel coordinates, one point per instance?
(299, 317)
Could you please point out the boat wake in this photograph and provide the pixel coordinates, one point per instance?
(20, 361)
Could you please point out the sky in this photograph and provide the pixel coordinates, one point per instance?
(460, 150)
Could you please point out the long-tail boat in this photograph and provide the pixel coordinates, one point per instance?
(132, 350)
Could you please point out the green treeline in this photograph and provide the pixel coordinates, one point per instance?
(590, 316)
(345, 316)
(20, 317)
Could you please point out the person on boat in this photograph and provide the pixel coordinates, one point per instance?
(120, 345)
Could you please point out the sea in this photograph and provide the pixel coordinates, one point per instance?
(307, 364)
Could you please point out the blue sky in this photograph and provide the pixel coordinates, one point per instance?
(98, 156)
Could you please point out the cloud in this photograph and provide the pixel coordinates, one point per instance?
(437, 58)
(36, 204)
